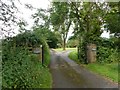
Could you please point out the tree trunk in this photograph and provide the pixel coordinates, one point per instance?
(64, 44)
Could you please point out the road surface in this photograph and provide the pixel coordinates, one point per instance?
(68, 74)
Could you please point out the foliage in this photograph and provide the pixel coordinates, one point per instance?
(82, 52)
(60, 19)
(27, 39)
(58, 36)
(105, 55)
(41, 18)
(112, 21)
(9, 19)
(114, 16)
(52, 40)
(7, 13)
(107, 51)
(72, 43)
(21, 68)
(59, 13)
(88, 20)
(48, 35)
(46, 53)
(34, 39)
(41, 27)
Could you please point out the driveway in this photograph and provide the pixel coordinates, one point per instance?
(68, 74)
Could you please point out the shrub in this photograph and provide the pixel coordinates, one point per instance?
(21, 68)
(107, 55)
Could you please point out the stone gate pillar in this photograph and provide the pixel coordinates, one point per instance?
(91, 53)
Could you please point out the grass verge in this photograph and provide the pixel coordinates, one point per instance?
(109, 71)
(74, 56)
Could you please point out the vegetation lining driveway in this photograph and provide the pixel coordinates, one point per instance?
(67, 74)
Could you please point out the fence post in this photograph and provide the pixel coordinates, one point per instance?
(41, 53)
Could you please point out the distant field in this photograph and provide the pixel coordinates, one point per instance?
(61, 49)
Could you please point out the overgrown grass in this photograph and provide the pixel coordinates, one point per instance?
(61, 49)
(107, 70)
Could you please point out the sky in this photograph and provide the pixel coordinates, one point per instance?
(26, 13)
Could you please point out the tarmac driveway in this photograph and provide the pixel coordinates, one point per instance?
(68, 74)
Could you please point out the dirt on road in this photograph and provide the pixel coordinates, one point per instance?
(68, 74)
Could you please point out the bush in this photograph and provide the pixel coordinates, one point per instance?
(107, 55)
(21, 68)
(82, 51)
(46, 52)
(24, 71)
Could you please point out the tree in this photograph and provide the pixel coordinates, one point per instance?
(42, 27)
(114, 16)
(48, 35)
(72, 42)
(88, 18)
(41, 18)
(9, 19)
(113, 21)
(60, 19)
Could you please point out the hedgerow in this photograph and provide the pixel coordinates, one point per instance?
(20, 67)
